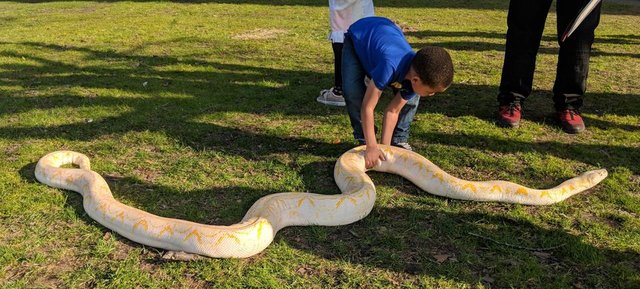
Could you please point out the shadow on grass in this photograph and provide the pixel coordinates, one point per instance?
(615, 9)
(597, 155)
(402, 239)
(475, 45)
(464, 4)
(606, 125)
(219, 206)
(480, 101)
(622, 39)
(476, 246)
(202, 95)
(410, 240)
(228, 88)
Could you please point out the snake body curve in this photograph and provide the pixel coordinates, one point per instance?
(273, 212)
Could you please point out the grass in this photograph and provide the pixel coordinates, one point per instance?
(196, 110)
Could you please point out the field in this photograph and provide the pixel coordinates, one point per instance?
(196, 109)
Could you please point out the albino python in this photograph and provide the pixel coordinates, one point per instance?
(274, 212)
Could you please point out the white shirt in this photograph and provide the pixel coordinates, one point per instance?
(342, 13)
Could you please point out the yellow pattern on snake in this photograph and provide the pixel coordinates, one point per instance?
(274, 212)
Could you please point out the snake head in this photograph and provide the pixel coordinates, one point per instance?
(596, 176)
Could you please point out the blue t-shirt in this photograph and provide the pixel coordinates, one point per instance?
(384, 53)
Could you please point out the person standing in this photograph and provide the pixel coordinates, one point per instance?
(342, 13)
(526, 21)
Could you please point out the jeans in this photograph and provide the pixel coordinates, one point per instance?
(353, 88)
(525, 23)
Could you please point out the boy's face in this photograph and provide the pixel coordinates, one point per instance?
(424, 90)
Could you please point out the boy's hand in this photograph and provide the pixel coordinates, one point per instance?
(372, 155)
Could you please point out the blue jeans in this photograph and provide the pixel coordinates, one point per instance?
(353, 89)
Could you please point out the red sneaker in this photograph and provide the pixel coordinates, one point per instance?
(571, 121)
(509, 115)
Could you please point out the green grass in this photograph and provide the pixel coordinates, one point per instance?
(196, 110)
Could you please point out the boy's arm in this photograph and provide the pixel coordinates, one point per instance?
(369, 102)
(390, 118)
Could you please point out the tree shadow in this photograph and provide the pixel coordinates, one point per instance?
(216, 206)
(623, 39)
(480, 101)
(464, 4)
(608, 125)
(175, 116)
(487, 46)
(608, 8)
(478, 243)
(411, 241)
(597, 155)
(146, 75)
(178, 117)
(479, 46)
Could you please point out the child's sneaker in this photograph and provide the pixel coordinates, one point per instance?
(509, 115)
(403, 145)
(571, 120)
(331, 97)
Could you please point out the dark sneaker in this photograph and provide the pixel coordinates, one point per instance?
(571, 121)
(331, 97)
(509, 115)
(403, 145)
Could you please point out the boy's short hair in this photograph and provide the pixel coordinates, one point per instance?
(434, 67)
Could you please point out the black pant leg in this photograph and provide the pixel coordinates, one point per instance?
(525, 23)
(337, 64)
(573, 60)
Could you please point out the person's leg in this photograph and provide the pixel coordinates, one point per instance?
(353, 87)
(401, 131)
(525, 23)
(333, 96)
(337, 67)
(573, 63)
(573, 59)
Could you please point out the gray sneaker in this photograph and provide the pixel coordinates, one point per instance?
(403, 145)
(366, 80)
(328, 97)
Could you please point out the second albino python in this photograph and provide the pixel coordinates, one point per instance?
(274, 212)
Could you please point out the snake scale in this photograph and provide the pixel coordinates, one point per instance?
(273, 212)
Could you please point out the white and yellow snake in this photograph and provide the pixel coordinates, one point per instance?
(274, 212)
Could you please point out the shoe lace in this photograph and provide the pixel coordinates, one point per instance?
(327, 93)
(512, 108)
(572, 113)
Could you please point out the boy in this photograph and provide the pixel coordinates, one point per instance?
(342, 13)
(375, 47)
